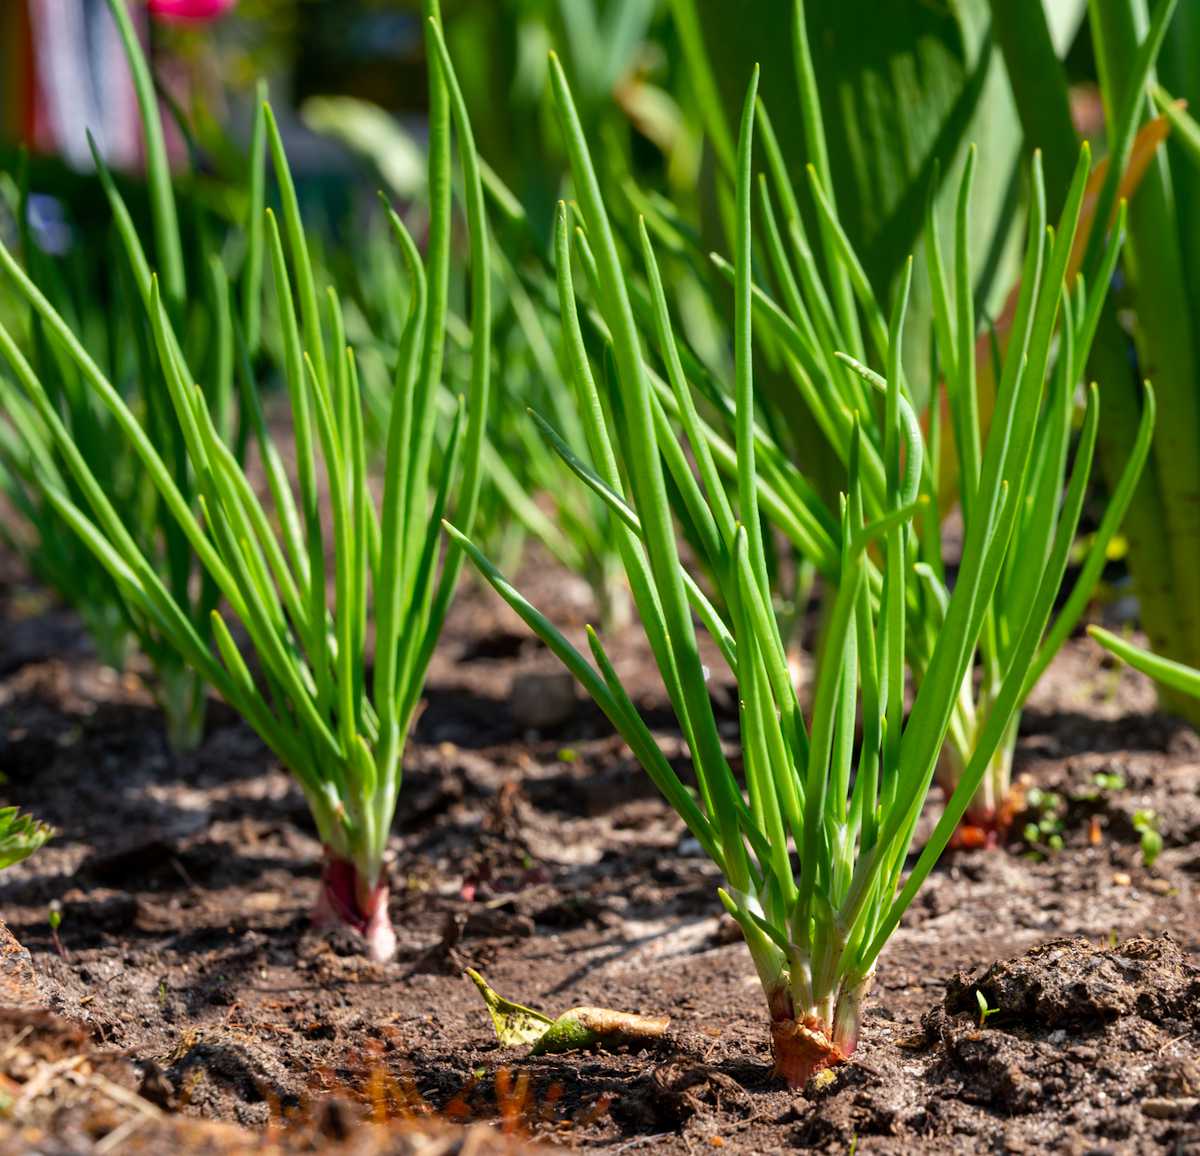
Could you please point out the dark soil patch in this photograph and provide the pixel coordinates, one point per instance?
(544, 859)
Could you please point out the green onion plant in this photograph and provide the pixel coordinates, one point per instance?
(50, 549)
(813, 837)
(521, 500)
(831, 347)
(827, 351)
(289, 632)
(102, 288)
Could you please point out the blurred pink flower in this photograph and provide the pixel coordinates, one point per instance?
(189, 10)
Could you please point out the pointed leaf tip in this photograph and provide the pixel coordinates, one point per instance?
(514, 1023)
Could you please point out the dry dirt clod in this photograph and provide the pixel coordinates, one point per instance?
(443, 957)
(156, 1088)
(1065, 1012)
(1071, 981)
(1170, 1108)
(18, 981)
(1177, 1077)
(542, 700)
(683, 1089)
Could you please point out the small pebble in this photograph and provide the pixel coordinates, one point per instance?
(540, 700)
(1169, 1107)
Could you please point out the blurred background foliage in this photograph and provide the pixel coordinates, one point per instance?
(905, 86)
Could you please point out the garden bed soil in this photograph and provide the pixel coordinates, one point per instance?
(184, 974)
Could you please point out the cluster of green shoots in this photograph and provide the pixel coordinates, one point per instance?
(813, 845)
(110, 320)
(274, 644)
(689, 494)
(831, 338)
(1179, 680)
(20, 836)
(520, 501)
(51, 549)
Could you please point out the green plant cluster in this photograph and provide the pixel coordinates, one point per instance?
(743, 429)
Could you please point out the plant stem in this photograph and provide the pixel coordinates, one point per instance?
(349, 898)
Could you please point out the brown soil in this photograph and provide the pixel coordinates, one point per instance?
(185, 974)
